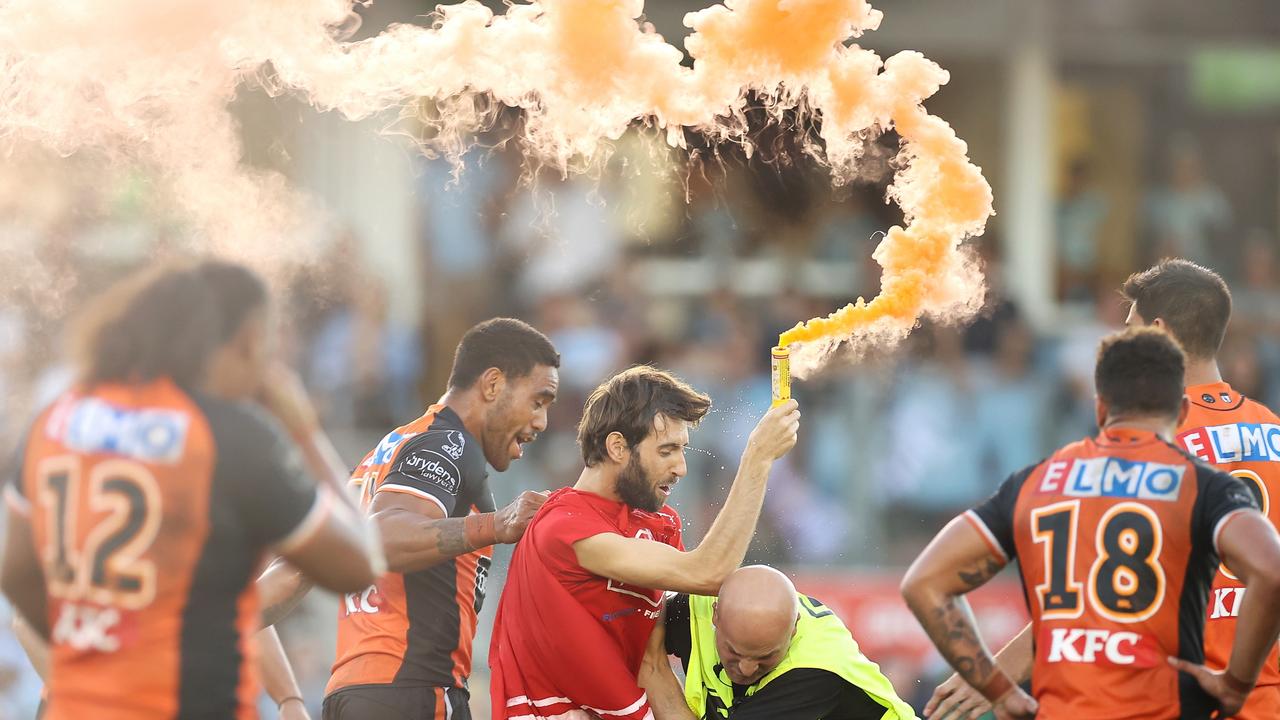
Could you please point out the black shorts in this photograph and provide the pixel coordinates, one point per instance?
(388, 702)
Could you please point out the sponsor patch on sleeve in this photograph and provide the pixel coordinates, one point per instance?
(432, 468)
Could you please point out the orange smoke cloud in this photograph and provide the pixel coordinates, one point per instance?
(945, 200)
(149, 81)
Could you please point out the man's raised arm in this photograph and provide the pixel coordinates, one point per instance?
(701, 571)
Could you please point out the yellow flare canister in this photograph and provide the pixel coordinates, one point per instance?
(781, 375)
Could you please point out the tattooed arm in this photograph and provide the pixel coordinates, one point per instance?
(417, 535)
(955, 700)
(956, 562)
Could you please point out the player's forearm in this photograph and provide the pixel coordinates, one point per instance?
(280, 589)
(1018, 656)
(27, 595)
(954, 563)
(273, 665)
(36, 647)
(666, 697)
(726, 542)
(412, 542)
(1257, 627)
(949, 623)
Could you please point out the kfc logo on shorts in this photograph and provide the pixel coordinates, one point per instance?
(454, 442)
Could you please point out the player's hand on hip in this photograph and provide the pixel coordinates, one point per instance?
(775, 434)
(1230, 699)
(285, 397)
(1015, 705)
(955, 699)
(514, 518)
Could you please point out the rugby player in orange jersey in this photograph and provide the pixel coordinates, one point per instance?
(1118, 539)
(236, 374)
(1224, 428)
(144, 501)
(404, 644)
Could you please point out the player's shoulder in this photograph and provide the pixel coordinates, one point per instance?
(236, 423)
(570, 503)
(1254, 411)
(445, 441)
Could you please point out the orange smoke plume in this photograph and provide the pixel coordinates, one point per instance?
(148, 81)
(945, 200)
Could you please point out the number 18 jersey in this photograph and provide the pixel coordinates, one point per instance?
(1116, 539)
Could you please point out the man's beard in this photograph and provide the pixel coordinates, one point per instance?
(635, 489)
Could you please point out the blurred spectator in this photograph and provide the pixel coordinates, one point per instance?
(931, 465)
(1080, 212)
(1188, 215)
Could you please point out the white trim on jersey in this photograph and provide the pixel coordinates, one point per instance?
(986, 532)
(1222, 523)
(399, 487)
(644, 698)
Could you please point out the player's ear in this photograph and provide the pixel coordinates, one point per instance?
(1100, 411)
(616, 446)
(491, 384)
(1184, 410)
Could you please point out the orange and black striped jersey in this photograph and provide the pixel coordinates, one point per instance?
(152, 509)
(1242, 437)
(415, 629)
(1116, 539)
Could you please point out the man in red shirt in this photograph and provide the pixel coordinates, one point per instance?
(586, 583)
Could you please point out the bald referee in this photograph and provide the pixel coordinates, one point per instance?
(762, 651)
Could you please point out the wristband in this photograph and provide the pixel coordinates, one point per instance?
(1236, 684)
(997, 687)
(479, 530)
(287, 699)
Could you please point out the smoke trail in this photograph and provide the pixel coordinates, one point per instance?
(149, 81)
(944, 200)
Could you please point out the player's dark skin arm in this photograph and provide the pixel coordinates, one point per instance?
(22, 578)
(956, 562)
(336, 553)
(1251, 550)
(416, 535)
(37, 648)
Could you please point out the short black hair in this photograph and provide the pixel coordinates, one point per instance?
(1141, 371)
(513, 346)
(1193, 301)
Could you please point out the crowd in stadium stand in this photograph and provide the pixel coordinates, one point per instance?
(622, 272)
